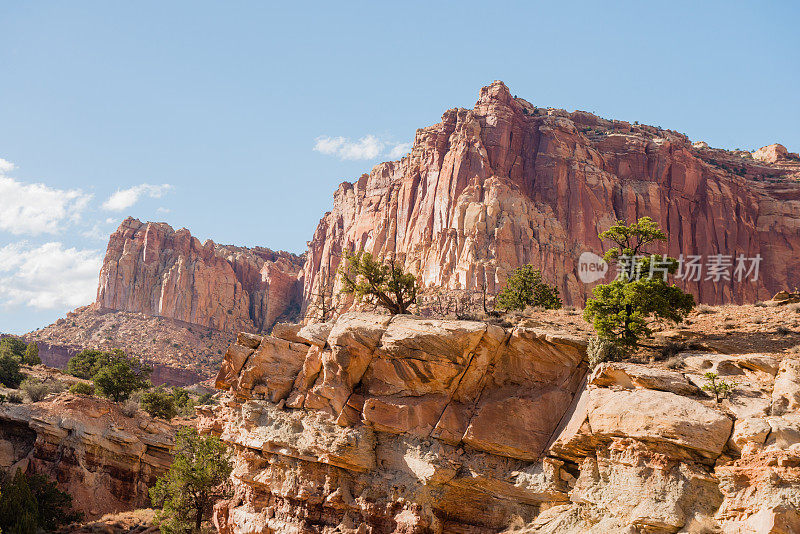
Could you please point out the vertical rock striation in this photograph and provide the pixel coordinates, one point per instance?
(506, 183)
(152, 269)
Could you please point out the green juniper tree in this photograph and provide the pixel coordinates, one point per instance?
(384, 284)
(120, 377)
(623, 310)
(31, 356)
(188, 490)
(525, 287)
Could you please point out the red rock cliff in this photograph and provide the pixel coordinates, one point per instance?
(506, 184)
(152, 269)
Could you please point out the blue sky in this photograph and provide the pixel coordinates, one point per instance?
(206, 115)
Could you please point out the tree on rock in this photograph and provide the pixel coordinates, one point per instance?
(188, 490)
(623, 310)
(383, 284)
(525, 287)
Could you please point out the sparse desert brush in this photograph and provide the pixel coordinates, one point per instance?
(675, 362)
(129, 408)
(35, 389)
(671, 349)
(783, 331)
(704, 309)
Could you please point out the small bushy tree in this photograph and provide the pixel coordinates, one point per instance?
(159, 403)
(10, 374)
(121, 377)
(383, 284)
(188, 490)
(14, 347)
(719, 388)
(623, 310)
(32, 503)
(31, 356)
(86, 363)
(525, 287)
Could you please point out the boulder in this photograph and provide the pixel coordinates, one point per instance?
(658, 416)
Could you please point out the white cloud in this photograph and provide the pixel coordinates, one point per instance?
(36, 208)
(48, 276)
(368, 147)
(162, 209)
(6, 166)
(399, 150)
(123, 199)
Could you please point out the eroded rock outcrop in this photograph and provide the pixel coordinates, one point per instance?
(506, 183)
(397, 423)
(377, 424)
(152, 269)
(105, 460)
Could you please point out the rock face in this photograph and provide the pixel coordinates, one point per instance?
(401, 424)
(407, 425)
(104, 459)
(152, 269)
(506, 183)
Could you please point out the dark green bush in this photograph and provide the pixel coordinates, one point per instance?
(159, 403)
(82, 388)
(10, 374)
(525, 287)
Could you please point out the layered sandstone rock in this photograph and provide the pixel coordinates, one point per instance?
(395, 423)
(152, 269)
(408, 425)
(105, 460)
(506, 183)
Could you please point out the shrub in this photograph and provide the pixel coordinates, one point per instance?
(159, 403)
(129, 408)
(187, 491)
(704, 309)
(783, 331)
(674, 362)
(720, 389)
(35, 389)
(602, 350)
(82, 388)
(525, 287)
(14, 398)
(383, 284)
(672, 349)
(88, 362)
(206, 398)
(14, 347)
(33, 503)
(31, 356)
(10, 374)
(121, 377)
